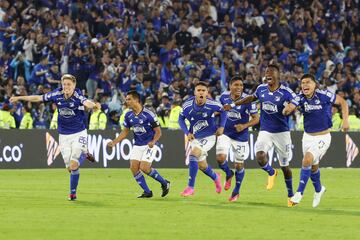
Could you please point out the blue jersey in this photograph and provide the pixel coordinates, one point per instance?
(71, 116)
(237, 115)
(202, 118)
(142, 125)
(272, 104)
(317, 110)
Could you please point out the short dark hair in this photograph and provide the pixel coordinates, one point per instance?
(134, 94)
(308, 75)
(274, 66)
(235, 78)
(202, 83)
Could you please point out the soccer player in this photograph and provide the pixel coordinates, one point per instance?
(147, 132)
(276, 102)
(316, 105)
(200, 112)
(235, 135)
(71, 125)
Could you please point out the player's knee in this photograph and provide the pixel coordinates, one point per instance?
(261, 158)
(308, 159)
(145, 168)
(134, 166)
(196, 152)
(202, 165)
(239, 165)
(73, 165)
(314, 168)
(287, 171)
(220, 158)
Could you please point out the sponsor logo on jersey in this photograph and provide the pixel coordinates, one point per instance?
(200, 125)
(310, 107)
(139, 129)
(234, 115)
(269, 107)
(66, 112)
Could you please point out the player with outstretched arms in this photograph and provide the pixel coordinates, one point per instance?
(315, 105)
(71, 125)
(276, 103)
(201, 112)
(235, 135)
(147, 132)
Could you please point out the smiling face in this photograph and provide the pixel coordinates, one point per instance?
(236, 88)
(271, 76)
(308, 87)
(68, 85)
(200, 94)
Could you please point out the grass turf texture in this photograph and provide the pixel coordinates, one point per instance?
(33, 205)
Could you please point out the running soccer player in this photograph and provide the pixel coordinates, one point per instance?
(276, 102)
(200, 112)
(235, 135)
(71, 125)
(316, 105)
(147, 132)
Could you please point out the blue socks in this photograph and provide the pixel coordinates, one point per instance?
(315, 178)
(208, 171)
(74, 180)
(288, 183)
(267, 168)
(304, 177)
(193, 169)
(239, 176)
(141, 181)
(225, 167)
(156, 175)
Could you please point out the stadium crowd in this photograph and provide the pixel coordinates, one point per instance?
(161, 48)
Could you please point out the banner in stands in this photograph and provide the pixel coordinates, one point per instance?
(21, 149)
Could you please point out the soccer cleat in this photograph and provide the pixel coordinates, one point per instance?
(165, 188)
(271, 180)
(90, 157)
(218, 183)
(188, 191)
(234, 197)
(146, 195)
(72, 197)
(317, 196)
(290, 203)
(296, 199)
(227, 184)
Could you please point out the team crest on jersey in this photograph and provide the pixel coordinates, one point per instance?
(204, 114)
(141, 121)
(277, 98)
(269, 107)
(71, 104)
(317, 101)
(200, 125)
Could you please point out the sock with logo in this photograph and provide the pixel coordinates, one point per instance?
(193, 169)
(74, 180)
(141, 181)
(156, 175)
(304, 177)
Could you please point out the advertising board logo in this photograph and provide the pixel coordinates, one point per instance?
(52, 148)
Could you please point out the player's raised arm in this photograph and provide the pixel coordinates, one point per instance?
(345, 112)
(91, 105)
(121, 136)
(243, 101)
(31, 98)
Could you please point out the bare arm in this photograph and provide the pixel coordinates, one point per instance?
(90, 104)
(243, 101)
(254, 120)
(31, 98)
(289, 108)
(344, 111)
(121, 137)
(156, 137)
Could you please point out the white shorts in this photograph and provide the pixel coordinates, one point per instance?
(316, 145)
(241, 150)
(280, 141)
(204, 144)
(72, 146)
(143, 153)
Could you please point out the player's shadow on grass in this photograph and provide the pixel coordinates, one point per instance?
(91, 204)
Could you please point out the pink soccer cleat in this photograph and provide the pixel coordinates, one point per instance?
(218, 183)
(233, 197)
(188, 191)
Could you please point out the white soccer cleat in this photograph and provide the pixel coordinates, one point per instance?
(317, 196)
(296, 199)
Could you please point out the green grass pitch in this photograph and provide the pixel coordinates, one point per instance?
(33, 205)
